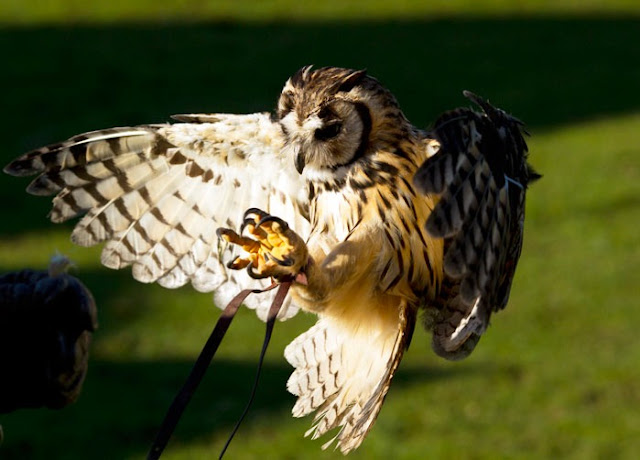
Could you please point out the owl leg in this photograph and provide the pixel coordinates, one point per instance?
(274, 250)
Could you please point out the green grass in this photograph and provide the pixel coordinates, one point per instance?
(26, 12)
(557, 374)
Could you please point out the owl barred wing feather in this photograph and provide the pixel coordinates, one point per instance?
(156, 195)
(481, 174)
(343, 374)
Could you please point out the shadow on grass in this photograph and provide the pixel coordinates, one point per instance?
(62, 81)
(123, 403)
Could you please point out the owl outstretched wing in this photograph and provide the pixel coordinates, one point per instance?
(156, 194)
(481, 174)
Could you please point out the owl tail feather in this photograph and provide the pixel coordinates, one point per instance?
(343, 374)
(456, 325)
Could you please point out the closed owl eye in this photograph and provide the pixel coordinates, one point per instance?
(328, 131)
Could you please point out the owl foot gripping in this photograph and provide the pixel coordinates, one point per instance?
(274, 250)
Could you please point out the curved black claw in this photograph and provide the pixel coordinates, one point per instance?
(258, 212)
(246, 222)
(253, 274)
(270, 218)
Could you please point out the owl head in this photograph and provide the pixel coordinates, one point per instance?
(332, 117)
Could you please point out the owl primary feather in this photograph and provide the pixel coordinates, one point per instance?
(384, 220)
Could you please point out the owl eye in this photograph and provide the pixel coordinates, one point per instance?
(328, 131)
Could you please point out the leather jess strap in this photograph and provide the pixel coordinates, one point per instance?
(204, 359)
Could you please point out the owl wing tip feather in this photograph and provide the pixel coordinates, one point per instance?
(494, 113)
(24, 166)
(13, 169)
(470, 95)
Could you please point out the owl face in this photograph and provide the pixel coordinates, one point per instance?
(327, 118)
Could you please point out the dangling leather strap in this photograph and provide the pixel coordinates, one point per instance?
(271, 320)
(202, 363)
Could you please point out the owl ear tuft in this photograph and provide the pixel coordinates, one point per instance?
(298, 78)
(351, 80)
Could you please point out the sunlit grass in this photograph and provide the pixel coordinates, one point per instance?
(35, 250)
(101, 11)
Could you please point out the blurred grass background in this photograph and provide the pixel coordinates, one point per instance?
(556, 376)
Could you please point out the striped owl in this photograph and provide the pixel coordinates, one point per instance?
(384, 220)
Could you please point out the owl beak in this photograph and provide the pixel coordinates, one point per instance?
(301, 161)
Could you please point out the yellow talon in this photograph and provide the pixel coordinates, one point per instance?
(273, 249)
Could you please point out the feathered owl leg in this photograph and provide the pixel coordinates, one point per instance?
(274, 250)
